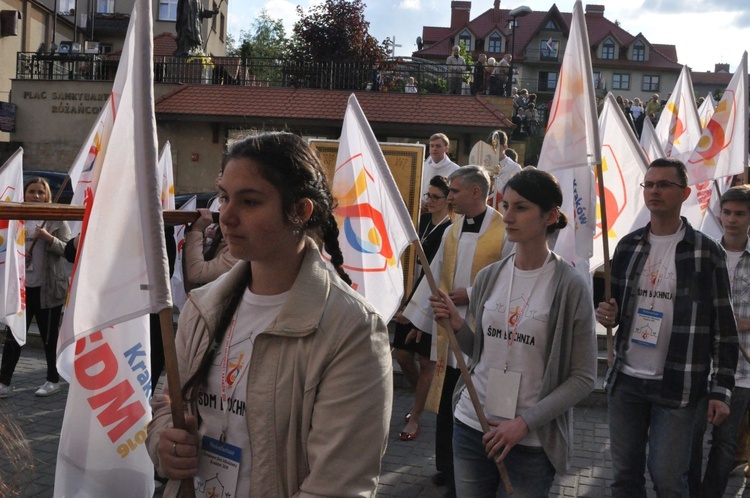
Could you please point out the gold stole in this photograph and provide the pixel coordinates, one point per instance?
(489, 249)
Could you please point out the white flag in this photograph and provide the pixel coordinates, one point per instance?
(120, 275)
(706, 110)
(572, 137)
(572, 143)
(166, 177)
(374, 223)
(722, 148)
(624, 166)
(650, 142)
(575, 243)
(13, 251)
(179, 297)
(679, 128)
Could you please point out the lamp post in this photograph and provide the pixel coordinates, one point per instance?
(514, 14)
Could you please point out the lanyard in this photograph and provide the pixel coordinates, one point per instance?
(518, 316)
(428, 233)
(224, 365)
(659, 276)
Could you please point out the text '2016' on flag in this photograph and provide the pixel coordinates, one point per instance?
(120, 275)
(374, 224)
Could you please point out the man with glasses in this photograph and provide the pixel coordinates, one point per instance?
(437, 164)
(676, 341)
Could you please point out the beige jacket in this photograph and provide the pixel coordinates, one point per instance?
(196, 270)
(320, 385)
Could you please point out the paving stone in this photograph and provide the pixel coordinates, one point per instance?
(407, 468)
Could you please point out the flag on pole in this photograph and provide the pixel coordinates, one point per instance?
(572, 137)
(624, 166)
(374, 224)
(722, 148)
(13, 251)
(166, 177)
(87, 164)
(120, 276)
(572, 142)
(179, 296)
(706, 110)
(679, 128)
(650, 142)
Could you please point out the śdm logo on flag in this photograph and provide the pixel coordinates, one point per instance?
(358, 218)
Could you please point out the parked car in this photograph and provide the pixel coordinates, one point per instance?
(55, 180)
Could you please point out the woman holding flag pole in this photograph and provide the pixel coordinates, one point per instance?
(533, 353)
(281, 362)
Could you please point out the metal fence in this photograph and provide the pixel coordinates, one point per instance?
(391, 75)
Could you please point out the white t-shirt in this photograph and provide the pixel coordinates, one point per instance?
(656, 290)
(531, 294)
(256, 313)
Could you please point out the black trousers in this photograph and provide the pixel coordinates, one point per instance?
(444, 424)
(48, 320)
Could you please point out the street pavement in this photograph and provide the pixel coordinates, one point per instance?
(407, 466)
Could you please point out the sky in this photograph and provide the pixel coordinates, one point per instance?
(705, 32)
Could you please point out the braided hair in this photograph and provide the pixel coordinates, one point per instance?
(292, 166)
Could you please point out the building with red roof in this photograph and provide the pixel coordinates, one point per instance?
(623, 63)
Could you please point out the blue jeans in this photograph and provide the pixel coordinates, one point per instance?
(723, 446)
(636, 419)
(530, 471)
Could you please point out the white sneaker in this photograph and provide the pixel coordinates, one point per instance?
(4, 391)
(48, 389)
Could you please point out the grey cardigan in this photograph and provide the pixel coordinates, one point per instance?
(55, 288)
(570, 371)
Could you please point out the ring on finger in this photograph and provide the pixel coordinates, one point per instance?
(174, 449)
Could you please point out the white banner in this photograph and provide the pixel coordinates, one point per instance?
(374, 224)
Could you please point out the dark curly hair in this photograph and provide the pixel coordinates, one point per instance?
(292, 166)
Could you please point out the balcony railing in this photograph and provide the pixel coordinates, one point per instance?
(391, 75)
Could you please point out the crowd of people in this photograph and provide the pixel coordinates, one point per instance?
(287, 368)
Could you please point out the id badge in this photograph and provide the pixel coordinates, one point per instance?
(646, 329)
(218, 469)
(502, 393)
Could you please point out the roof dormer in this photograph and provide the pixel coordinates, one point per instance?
(608, 49)
(638, 50)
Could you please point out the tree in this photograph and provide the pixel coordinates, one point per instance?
(265, 39)
(335, 31)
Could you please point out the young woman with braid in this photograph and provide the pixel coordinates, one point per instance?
(286, 370)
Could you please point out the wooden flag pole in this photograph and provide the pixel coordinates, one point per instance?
(46, 211)
(176, 402)
(607, 265)
(445, 323)
(54, 200)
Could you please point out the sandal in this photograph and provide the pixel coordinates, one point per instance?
(406, 436)
(407, 417)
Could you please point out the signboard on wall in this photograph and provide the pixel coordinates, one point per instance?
(7, 117)
(405, 162)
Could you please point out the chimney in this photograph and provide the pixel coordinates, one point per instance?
(496, 12)
(595, 10)
(460, 12)
(721, 68)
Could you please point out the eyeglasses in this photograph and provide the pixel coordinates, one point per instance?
(433, 197)
(661, 185)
